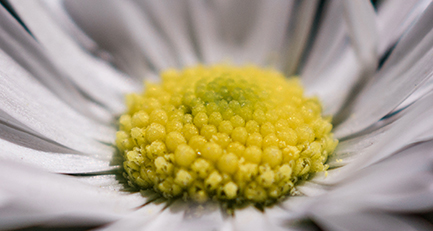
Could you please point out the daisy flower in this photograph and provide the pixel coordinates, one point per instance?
(66, 66)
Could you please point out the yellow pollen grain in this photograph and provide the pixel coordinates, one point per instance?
(224, 133)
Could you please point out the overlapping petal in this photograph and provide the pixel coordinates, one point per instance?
(58, 99)
(37, 198)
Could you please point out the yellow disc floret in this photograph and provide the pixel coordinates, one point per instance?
(223, 132)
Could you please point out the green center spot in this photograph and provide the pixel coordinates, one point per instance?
(225, 133)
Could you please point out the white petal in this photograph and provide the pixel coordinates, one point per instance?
(361, 19)
(348, 150)
(405, 183)
(118, 185)
(332, 67)
(394, 17)
(99, 81)
(29, 103)
(329, 41)
(335, 83)
(414, 125)
(270, 23)
(175, 27)
(205, 27)
(27, 140)
(402, 183)
(407, 67)
(207, 217)
(31, 197)
(59, 13)
(299, 29)
(138, 219)
(105, 181)
(371, 221)
(122, 29)
(424, 89)
(277, 215)
(241, 31)
(187, 216)
(311, 189)
(236, 19)
(51, 161)
(22, 47)
(250, 218)
(179, 215)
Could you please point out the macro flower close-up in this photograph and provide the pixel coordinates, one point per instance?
(216, 115)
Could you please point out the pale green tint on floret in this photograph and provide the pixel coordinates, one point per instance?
(223, 133)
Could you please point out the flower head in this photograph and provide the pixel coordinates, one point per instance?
(65, 67)
(223, 132)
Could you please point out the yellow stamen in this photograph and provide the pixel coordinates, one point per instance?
(225, 133)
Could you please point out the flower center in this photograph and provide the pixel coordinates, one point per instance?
(223, 132)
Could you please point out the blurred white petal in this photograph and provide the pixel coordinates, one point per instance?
(142, 40)
(361, 19)
(294, 46)
(252, 219)
(407, 67)
(178, 215)
(328, 44)
(139, 219)
(94, 77)
(336, 82)
(311, 189)
(424, 88)
(33, 197)
(395, 17)
(335, 67)
(122, 29)
(61, 16)
(372, 221)
(175, 27)
(205, 27)
(257, 48)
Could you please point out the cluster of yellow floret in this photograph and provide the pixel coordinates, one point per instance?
(223, 133)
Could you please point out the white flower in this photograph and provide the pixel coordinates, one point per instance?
(59, 95)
